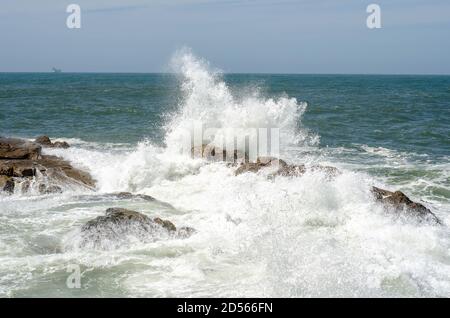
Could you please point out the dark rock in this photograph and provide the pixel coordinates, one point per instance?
(14, 148)
(46, 142)
(55, 168)
(43, 140)
(113, 229)
(165, 224)
(281, 168)
(7, 184)
(402, 204)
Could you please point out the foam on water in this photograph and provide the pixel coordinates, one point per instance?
(287, 236)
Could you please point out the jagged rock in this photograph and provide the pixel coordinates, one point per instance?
(21, 160)
(402, 204)
(46, 142)
(115, 228)
(281, 168)
(52, 167)
(14, 148)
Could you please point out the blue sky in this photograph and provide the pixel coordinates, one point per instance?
(285, 36)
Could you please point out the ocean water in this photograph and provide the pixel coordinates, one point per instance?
(284, 237)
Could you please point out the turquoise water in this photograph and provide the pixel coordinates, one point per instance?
(306, 236)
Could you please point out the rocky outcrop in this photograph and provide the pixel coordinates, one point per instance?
(14, 148)
(121, 226)
(22, 162)
(400, 203)
(278, 167)
(46, 142)
(129, 195)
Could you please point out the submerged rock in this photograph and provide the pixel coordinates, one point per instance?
(131, 196)
(46, 142)
(22, 161)
(14, 148)
(402, 204)
(121, 226)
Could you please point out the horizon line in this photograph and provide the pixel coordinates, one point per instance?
(230, 73)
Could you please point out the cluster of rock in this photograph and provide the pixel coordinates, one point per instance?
(115, 228)
(395, 201)
(21, 161)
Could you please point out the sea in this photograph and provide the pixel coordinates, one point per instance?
(302, 236)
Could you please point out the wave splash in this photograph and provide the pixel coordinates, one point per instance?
(304, 236)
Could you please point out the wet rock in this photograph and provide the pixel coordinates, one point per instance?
(49, 189)
(7, 184)
(165, 224)
(402, 204)
(52, 167)
(185, 232)
(214, 153)
(14, 148)
(121, 226)
(129, 195)
(22, 161)
(46, 142)
(280, 168)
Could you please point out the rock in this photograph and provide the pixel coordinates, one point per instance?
(213, 153)
(185, 232)
(402, 204)
(43, 140)
(115, 228)
(54, 168)
(22, 161)
(48, 189)
(14, 148)
(46, 142)
(128, 195)
(165, 224)
(7, 184)
(281, 168)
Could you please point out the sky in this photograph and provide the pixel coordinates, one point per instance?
(241, 36)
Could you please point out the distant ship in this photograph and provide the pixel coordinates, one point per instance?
(56, 70)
